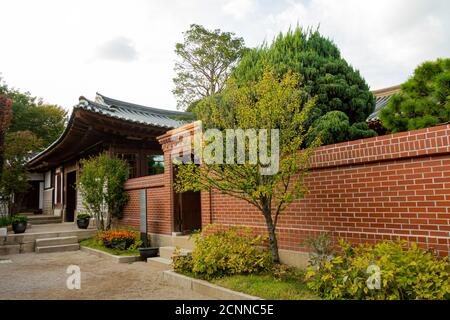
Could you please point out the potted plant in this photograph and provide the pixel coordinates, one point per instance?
(145, 251)
(5, 222)
(19, 223)
(83, 220)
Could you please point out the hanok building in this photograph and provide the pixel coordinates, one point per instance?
(388, 187)
(382, 98)
(126, 130)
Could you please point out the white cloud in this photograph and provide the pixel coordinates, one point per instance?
(118, 49)
(385, 39)
(48, 49)
(239, 9)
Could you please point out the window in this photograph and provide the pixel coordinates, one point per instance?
(155, 164)
(58, 188)
(48, 180)
(130, 158)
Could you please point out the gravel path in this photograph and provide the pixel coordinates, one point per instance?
(43, 276)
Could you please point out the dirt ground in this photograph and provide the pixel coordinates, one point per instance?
(43, 276)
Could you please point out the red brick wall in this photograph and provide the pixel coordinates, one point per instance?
(389, 187)
(159, 202)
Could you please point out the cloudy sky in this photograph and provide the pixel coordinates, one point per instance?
(59, 50)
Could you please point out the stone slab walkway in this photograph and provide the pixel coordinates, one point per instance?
(43, 276)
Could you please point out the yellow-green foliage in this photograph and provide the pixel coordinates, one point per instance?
(406, 272)
(226, 251)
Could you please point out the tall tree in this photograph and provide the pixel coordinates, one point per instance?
(5, 120)
(101, 184)
(206, 58)
(47, 122)
(326, 75)
(270, 103)
(424, 100)
(18, 148)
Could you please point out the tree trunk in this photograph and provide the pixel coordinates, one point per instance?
(273, 243)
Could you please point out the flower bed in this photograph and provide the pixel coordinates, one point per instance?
(117, 242)
(118, 239)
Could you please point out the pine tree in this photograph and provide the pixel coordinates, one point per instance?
(424, 100)
(326, 75)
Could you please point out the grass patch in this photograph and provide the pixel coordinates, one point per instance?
(269, 287)
(285, 285)
(96, 244)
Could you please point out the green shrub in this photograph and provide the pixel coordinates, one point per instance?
(101, 185)
(83, 215)
(223, 251)
(321, 249)
(5, 221)
(405, 273)
(19, 219)
(182, 263)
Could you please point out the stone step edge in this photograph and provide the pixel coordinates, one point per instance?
(165, 252)
(60, 246)
(204, 287)
(57, 238)
(160, 260)
(103, 254)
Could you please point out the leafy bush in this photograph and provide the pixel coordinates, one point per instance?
(335, 127)
(19, 219)
(83, 215)
(101, 184)
(223, 251)
(321, 249)
(182, 263)
(423, 101)
(5, 221)
(404, 273)
(119, 239)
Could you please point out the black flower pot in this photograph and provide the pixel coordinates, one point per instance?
(83, 223)
(148, 253)
(19, 227)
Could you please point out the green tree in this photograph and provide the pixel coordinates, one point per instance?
(18, 148)
(270, 103)
(5, 120)
(424, 100)
(326, 75)
(205, 61)
(47, 122)
(101, 184)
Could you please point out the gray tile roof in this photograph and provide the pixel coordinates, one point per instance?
(382, 98)
(380, 103)
(117, 109)
(133, 112)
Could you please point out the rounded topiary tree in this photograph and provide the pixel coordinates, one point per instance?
(101, 185)
(424, 100)
(338, 87)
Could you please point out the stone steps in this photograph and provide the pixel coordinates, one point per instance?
(30, 236)
(164, 261)
(37, 219)
(185, 242)
(58, 248)
(160, 263)
(57, 244)
(45, 242)
(168, 252)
